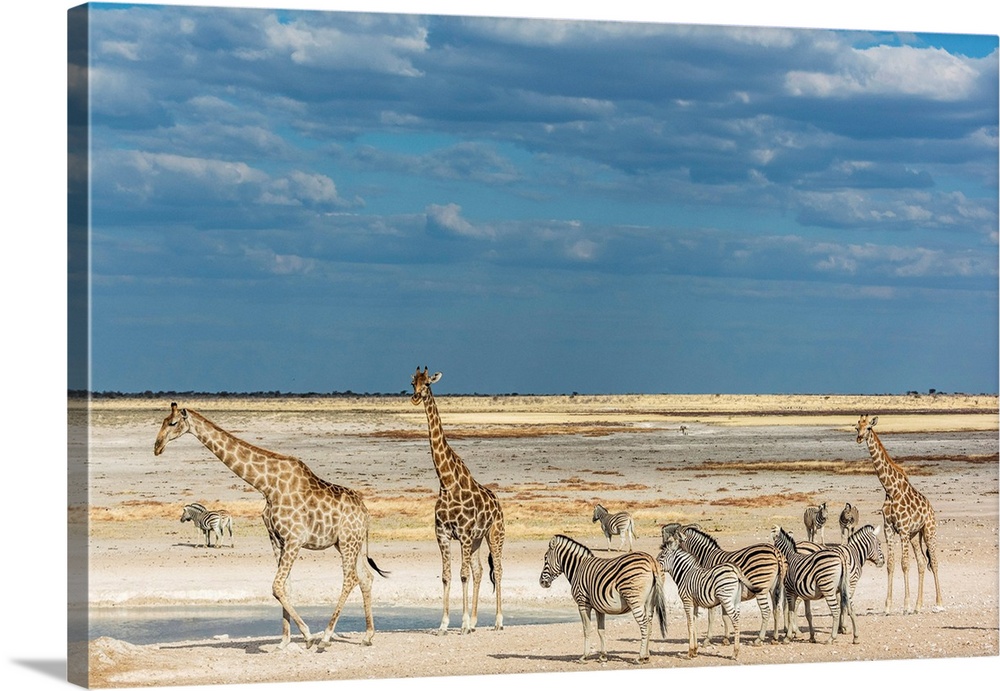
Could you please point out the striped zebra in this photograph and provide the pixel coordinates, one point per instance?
(620, 523)
(631, 582)
(763, 565)
(822, 575)
(848, 521)
(862, 546)
(814, 518)
(722, 585)
(210, 522)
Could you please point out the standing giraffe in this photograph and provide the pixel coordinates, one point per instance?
(907, 516)
(301, 511)
(465, 511)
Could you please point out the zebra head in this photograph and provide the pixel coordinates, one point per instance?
(599, 513)
(871, 548)
(174, 425)
(669, 531)
(551, 566)
(864, 427)
(782, 540)
(421, 383)
(192, 512)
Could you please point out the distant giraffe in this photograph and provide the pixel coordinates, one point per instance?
(908, 517)
(302, 511)
(465, 511)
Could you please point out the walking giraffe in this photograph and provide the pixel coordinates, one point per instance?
(465, 511)
(907, 516)
(301, 511)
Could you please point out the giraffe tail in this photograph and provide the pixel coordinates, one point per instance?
(493, 578)
(371, 562)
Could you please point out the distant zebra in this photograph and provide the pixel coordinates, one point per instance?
(822, 575)
(210, 522)
(620, 523)
(848, 521)
(631, 582)
(722, 585)
(815, 520)
(863, 545)
(762, 564)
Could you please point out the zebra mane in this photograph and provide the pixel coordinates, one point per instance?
(572, 545)
(701, 534)
(779, 532)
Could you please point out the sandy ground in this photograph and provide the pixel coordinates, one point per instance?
(739, 466)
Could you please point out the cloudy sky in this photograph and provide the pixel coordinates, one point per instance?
(322, 201)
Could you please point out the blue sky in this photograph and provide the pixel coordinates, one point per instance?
(321, 201)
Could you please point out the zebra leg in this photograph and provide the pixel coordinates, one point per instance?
(764, 603)
(731, 615)
(692, 635)
(809, 618)
(585, 619)
(445, 548)
(602, 637)
(833, 601)
(707, 643)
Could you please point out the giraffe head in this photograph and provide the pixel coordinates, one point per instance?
(421, 382)
(864, 426)
(174, 425)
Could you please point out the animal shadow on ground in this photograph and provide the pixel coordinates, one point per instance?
(257, 646)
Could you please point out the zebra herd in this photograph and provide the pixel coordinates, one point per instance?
(777, 575)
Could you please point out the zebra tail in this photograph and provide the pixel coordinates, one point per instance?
(660, 603)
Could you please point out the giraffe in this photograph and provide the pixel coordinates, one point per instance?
(907, 516)
(465, 511)
(302, 511)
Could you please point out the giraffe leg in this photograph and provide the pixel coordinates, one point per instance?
(890, 563)
(349, 552)
(286, 629)
(289, 552)
(904, 564)
(495, 538)
(921, 560)
(464, 573)
(931, 542)
(477, 577)
(445, 547)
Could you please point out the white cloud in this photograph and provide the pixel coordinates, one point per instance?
(448, 218)
(886, 70)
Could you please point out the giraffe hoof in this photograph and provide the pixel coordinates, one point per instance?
(441, 632)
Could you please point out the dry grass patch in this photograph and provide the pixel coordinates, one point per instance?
(803, 466)
(521, 431)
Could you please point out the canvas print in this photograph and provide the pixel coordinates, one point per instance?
(409, 346)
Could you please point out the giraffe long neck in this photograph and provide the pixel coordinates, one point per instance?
(246, 460)
(891, 476)
(449, 467)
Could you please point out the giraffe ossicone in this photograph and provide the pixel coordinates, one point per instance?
(301, 511)
(465, 511)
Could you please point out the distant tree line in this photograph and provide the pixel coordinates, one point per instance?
(83, 393)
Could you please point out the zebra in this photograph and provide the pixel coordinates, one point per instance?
(815, 520)
(210, 522)
(630, 582)
(722, 585)
(620, 523)
(862, 546)
(848, 521)
(821, 575)
(762, 564)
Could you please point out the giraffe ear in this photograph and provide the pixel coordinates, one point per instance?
(873, 422)
(184, 413)
(434, 378)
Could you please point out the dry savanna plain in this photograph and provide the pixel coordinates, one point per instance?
(736, 465)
